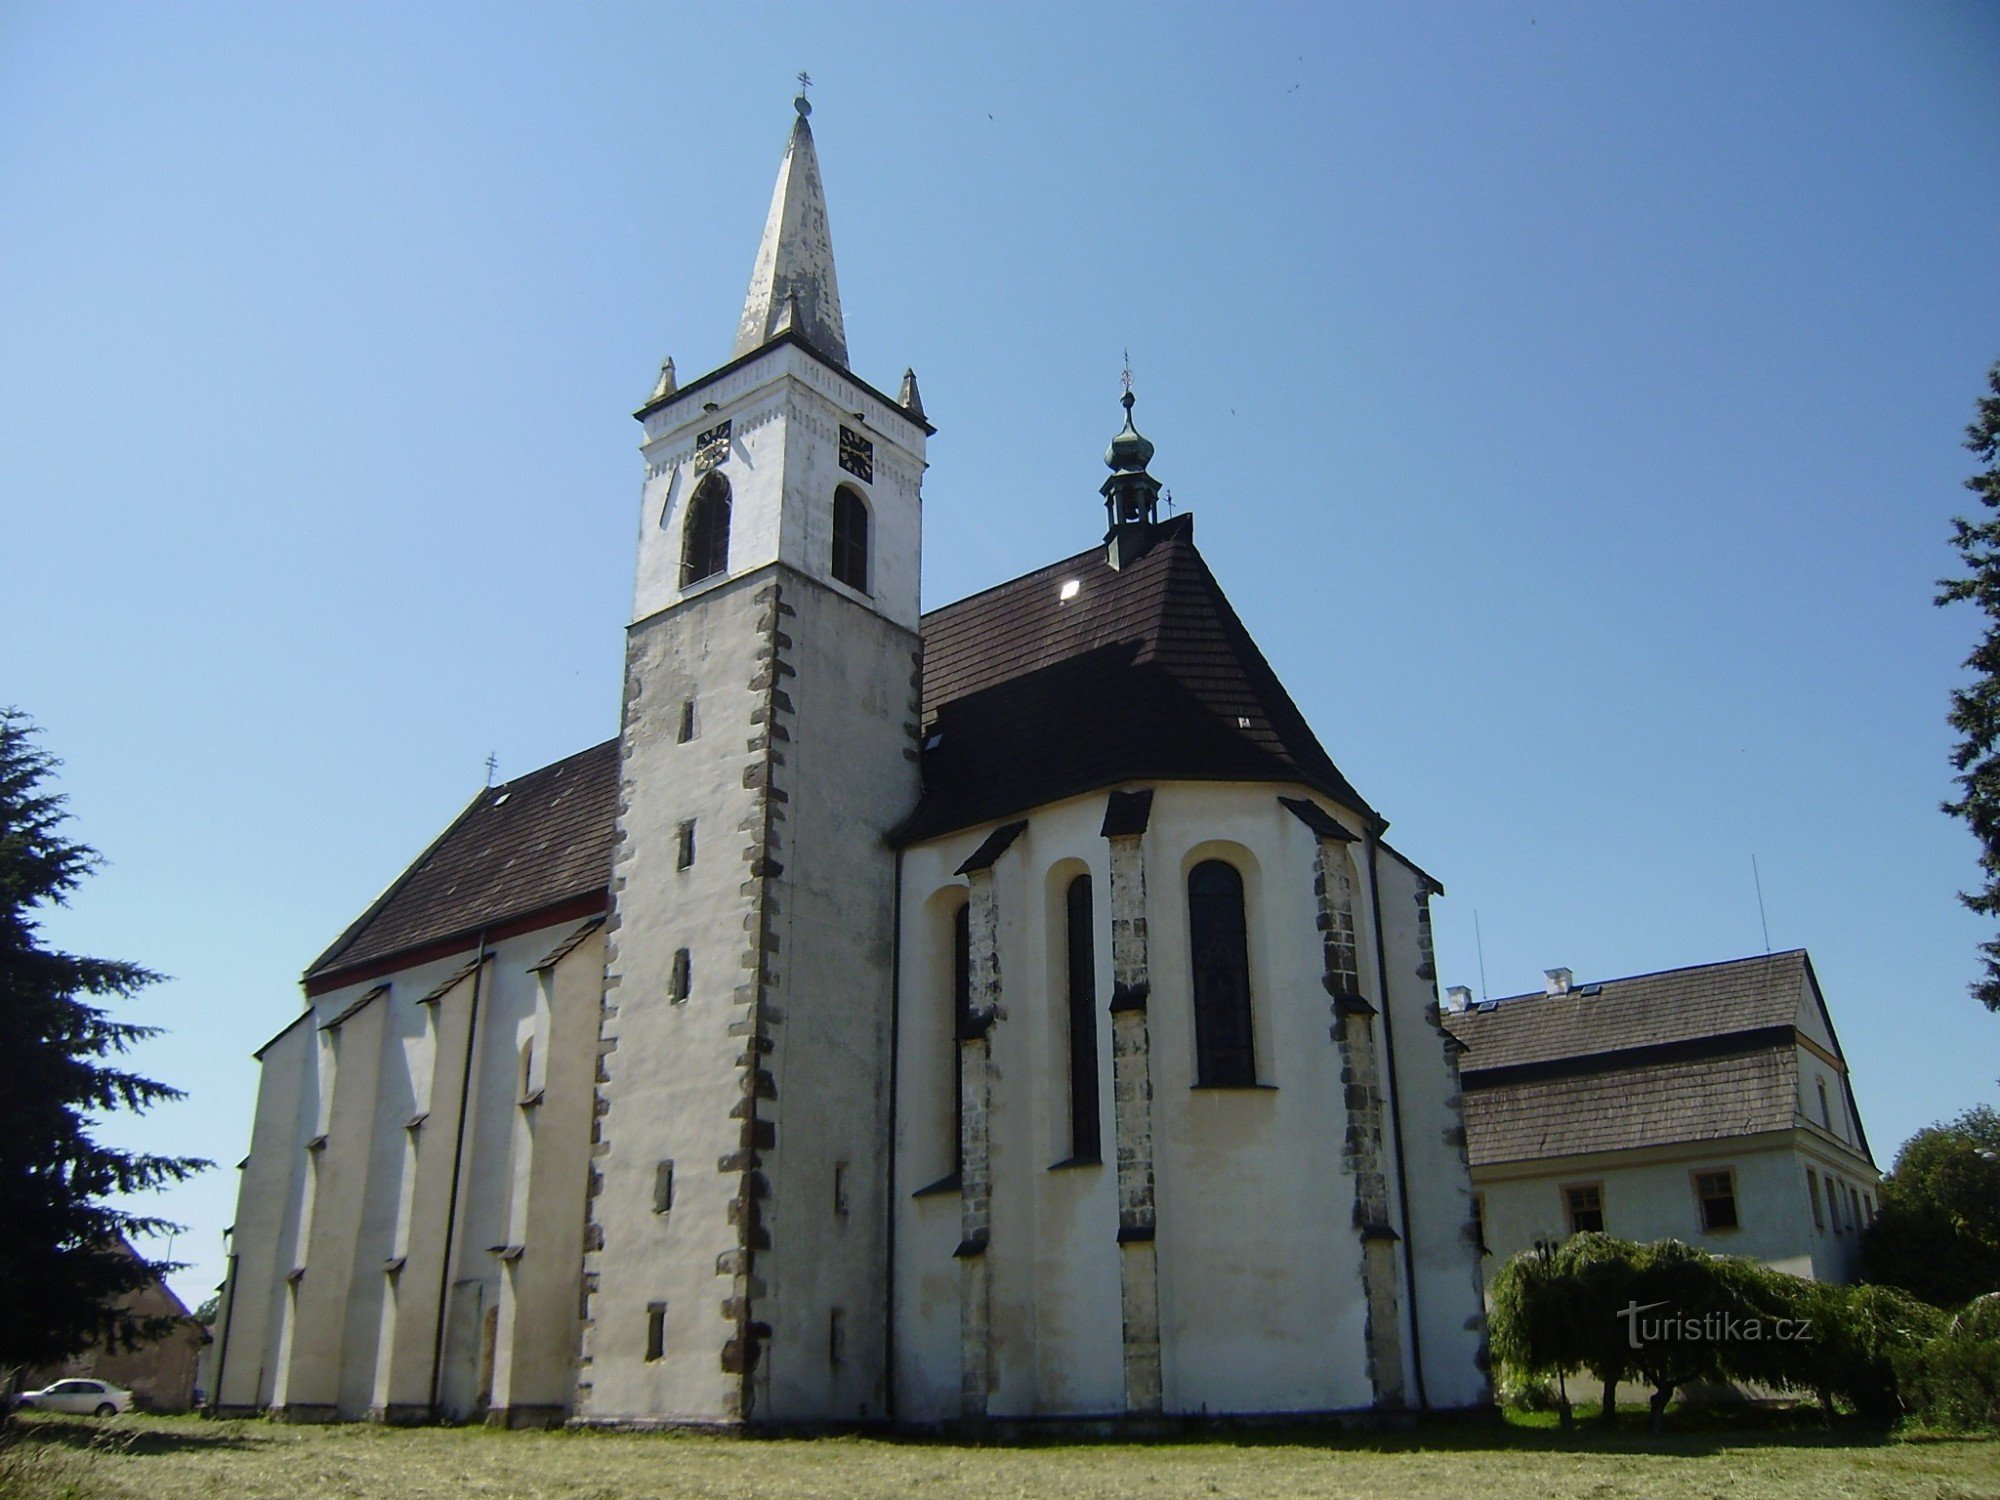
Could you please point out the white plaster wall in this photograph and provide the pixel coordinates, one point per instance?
(849, 775)
(260, 1237)
(1261, 1297)
(1650, 1196)
(785, 407)
(1449, 1323)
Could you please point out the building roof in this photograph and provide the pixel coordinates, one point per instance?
(1618, 1109)
(1145, 672)
(1681, 1056)
(533, 843)
(1675, 1005)
(1141, 672)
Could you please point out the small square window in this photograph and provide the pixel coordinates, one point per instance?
(684, 846)
(656, 1332)
(1716, 1194)
(1584, 1204)
(681, 978)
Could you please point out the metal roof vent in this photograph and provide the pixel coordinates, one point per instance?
(1457, 999)
(1559, 980)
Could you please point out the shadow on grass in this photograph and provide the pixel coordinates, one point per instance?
(114, 1435)
(1692, 1433)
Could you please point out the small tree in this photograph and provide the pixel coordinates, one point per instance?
(1975, 709)
(63, 1273)
(1938, 1234)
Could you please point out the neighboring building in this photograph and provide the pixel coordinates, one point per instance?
(1709, 1104)
(159, 1373)
(1003, 1012)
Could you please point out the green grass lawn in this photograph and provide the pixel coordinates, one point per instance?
(184, 1458)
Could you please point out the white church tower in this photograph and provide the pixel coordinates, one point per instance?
(738, 1213)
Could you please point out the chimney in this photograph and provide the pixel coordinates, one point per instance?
(1457, 999)
(1559, 980)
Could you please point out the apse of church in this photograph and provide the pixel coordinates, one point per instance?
(1003, 1013)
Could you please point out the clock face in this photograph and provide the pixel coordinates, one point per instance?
(712, 447)
(857, 455)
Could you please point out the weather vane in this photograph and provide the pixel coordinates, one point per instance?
(1125, 380)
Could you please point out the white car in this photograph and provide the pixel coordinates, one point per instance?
(97, 1398)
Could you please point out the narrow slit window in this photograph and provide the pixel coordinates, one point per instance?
(836, 1337)
(1812, 1192)
(688, 726)
(684, 846)
(705, 535)
(1224, 1054)
(840, 1189)
(1716, 1193)
(850, 538)
(656, 1332)
(682, 975)
(663, 1188)
(1825, 1113)
(1085, 1143)
(527, 1068)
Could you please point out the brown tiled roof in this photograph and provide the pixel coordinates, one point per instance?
(536, 842)
(1684, 1055)
(1616, 1109)
(1145, 673)
(1676, 1005)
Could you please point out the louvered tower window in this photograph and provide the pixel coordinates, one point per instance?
(705, 537)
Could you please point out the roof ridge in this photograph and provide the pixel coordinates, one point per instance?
(1720, 963)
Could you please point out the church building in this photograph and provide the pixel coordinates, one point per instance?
(1002, 1013)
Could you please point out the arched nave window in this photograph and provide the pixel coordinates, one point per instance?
(1085, 1143)
(1220, 948)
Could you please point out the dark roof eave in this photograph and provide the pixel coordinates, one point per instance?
(917, 829)
(789, 336)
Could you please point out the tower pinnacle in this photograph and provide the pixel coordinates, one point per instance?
(1131, 495)
(793, 278)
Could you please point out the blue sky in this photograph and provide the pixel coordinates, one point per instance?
(1570, 396)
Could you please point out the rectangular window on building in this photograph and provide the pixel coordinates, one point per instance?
(1833, 1202)
(1715, 1193)
(688, 726)
(1479, 1223)
(1812, 1192)
(1584, 1205)
(663, 1187)
(656, 1331)
(1868, 1208)
(836, 1338)
(681, 976)
(684, 851)
(840, 1189)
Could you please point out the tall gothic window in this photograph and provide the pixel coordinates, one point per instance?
(850, 538)
(961, 1023)
(1084, 1142)
(705, 536)
(1221, 950)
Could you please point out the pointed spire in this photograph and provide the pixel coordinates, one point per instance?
(793, 278)
(666, 385)
(910, 398)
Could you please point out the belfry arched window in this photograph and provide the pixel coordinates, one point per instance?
(850, 538)
(1220, 949)
(705, 534)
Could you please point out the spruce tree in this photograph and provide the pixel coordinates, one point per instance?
(65, 1263)
(1975, 708)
